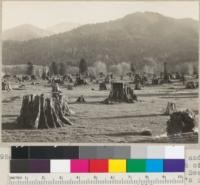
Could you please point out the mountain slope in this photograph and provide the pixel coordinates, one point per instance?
(130, 39)
(24, 32)
(62, 27)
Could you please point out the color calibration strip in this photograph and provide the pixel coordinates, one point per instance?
(96, 166)
(97, 159)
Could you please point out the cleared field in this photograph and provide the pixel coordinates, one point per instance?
(95, 122)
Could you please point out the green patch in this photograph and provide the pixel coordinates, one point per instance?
(136, 165)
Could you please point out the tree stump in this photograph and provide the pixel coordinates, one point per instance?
(107, 79)
(138, 86)
(181, 122)
(81, 99)
(155, 80)
(166, 78)
(80, 81)
(38, 112)
(191, 85)
(55, 88)
(6, 86)
(120, 92)
(3, 85)
(69, 87)
(102, 86)
(171, 108)
(138, 82)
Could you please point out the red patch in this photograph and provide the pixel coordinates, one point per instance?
(99, 165)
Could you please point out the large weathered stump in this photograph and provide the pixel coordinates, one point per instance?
(121, 92)
(181, 122)
(38, 112)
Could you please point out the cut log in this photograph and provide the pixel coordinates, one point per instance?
(120, 92)
(38, 112)
(181, 122)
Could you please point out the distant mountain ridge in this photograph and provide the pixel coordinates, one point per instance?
(128, 39)
(25, 32)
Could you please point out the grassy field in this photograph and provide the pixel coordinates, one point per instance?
(95, 122)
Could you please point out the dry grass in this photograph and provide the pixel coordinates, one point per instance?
(95, 122)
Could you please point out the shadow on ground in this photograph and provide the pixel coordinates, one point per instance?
(130, 116)
(11, 126)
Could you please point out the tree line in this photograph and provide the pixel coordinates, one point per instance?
(58, 68)
(120, 69)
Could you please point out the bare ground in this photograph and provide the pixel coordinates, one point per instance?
(95, 122)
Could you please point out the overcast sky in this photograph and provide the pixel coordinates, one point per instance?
(44, 14)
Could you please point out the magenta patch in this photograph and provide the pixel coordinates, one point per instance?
(79, 166)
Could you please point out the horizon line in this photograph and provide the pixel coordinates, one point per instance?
(83, 24)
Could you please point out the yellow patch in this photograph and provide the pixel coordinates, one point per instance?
(117, 165)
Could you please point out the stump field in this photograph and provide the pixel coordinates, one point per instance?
(95, 122)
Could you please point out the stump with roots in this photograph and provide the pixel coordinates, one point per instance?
(181, 122)
(121, 92)
(38, 112)
(171, 108)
